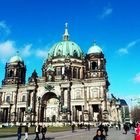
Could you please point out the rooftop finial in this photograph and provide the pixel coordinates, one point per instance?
(94, 42)
(66, 34)
(17, 53)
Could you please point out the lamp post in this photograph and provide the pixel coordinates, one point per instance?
(16, 96)
(39, 103)
(34, 76)
(68, 74)
(10, 104)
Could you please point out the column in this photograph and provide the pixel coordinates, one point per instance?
(62, 98)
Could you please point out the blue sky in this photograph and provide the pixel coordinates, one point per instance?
(33, 26)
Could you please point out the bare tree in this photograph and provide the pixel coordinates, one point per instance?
(135, 113)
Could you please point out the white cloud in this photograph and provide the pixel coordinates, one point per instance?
(4, 29)
(123, 50)
(7, 49)
(136, 79)
(27, 50)
(106, 12)
(41, 53)
(131, 44)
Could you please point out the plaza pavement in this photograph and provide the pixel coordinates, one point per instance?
(82, 135)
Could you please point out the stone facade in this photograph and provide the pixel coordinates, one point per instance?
(73, 87)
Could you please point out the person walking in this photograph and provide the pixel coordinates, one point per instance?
(99, 135)
(126, 128)
(106, 130)
(26, 132)
(19, 131)
(37, 132)
(88, 126)
(73, 127)
(137, 136)
(44, 130)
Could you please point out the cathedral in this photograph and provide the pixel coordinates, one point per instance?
(73, 86)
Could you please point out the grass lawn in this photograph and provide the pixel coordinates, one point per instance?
(32, 129)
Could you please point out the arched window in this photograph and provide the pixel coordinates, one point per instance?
(59, 53)
(94, 66)
(11, 73)
(58, 71)
(75, 54)
(74, 73)
(23, 98)
(8, 99)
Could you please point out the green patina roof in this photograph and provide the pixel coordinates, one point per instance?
(15, 58)
(50, 68)
(94, 49)
(65, 48)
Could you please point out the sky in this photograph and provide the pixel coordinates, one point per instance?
(33, 26)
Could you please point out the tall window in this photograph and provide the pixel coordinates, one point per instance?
(74, 73)
(7, 99)
(11, 73)
(23, 98)
(94, 66)
(58, 71)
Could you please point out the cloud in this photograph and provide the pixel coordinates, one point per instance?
(4, 29)
(131, 44)
(106, 12)
(7, 49)
(26, 51)
(41, 53)
(136, 79)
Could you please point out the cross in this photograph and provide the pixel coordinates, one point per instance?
(66, 24)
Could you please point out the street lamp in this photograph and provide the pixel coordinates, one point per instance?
(68, 64)
(39, 103)
(16, 96)
(10, 104)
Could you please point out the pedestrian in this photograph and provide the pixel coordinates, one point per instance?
(126, 128)
(73, 127)
(137, 136)
(116, 126)
(37, 132)
(43, 130)
(119, 125)
(26, 132)
(88, 126)
(99, 135)
(106, 130)
(19, 131)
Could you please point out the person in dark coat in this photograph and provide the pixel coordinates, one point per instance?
(88, 126)
(99, 135)
(43, 130)
(126, 128)
(73, 127)
(106, 130)
(19, 131)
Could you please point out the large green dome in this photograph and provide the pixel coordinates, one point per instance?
(65, 48)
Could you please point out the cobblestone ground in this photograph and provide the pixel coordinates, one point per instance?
(82, 135)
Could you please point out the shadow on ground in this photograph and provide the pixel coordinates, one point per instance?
(49, 138)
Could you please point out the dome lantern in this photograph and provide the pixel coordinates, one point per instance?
(66, 34)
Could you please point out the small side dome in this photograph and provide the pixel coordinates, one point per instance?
(15, 58)
(95, 49)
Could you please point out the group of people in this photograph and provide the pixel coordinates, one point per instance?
(99, 135)
(38, 129)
